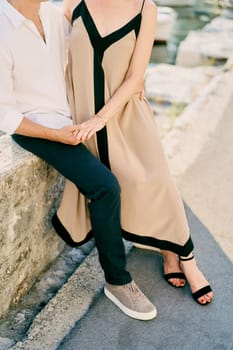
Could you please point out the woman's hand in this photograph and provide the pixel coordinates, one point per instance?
(89, 128)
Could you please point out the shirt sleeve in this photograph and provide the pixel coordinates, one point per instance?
(10, 117)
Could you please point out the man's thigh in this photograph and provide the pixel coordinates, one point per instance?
(75, 163)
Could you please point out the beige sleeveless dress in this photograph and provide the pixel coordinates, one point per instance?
(152, 211)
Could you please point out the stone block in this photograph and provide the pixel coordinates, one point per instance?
(30, 192)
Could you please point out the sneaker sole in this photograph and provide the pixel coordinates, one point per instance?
(144, 316)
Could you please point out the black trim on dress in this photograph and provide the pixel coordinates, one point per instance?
(147, 241)
(64, 234)
(100, 44)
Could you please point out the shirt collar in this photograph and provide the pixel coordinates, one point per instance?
(14, 16)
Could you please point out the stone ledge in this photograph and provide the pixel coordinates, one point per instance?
(29, 195)
(195, 126)
(70, 304)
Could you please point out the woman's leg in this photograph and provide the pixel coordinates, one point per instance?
(172, 270)
(98, 184)
(187, 265)
(197, 281)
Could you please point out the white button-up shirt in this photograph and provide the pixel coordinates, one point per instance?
(32, 81)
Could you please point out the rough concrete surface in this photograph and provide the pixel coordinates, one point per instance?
(208, 185)
(5, 343)
(196, 125)
(69, 305)
(29, 194)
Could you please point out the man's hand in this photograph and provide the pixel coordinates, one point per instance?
(68, 135)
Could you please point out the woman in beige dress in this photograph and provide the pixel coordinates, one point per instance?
(110, 48)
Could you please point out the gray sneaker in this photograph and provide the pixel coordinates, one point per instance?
(130, 299)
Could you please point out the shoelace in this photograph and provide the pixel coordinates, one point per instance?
(134, 291)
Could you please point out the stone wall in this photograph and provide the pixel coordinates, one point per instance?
(30, 191)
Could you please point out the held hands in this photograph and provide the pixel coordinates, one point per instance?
(75, 134)
(87, 129)
(67, 135)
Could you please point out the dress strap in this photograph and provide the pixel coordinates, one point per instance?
(142, 5)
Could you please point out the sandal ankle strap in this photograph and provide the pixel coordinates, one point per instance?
(186, 259)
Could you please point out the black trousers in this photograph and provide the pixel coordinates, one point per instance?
(97, 183)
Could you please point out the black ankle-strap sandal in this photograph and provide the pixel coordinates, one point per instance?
(201, 292)
(179, 275)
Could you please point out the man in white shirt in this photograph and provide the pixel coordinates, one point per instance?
(34, 110)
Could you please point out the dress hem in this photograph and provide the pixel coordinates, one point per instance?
(184, 250)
